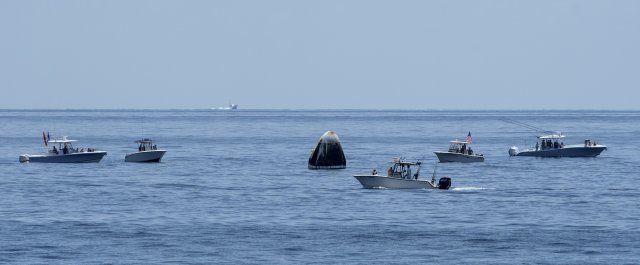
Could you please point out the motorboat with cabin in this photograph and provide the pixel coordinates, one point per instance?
(230, 107)
(65, 153)
(399, 176)
(147, 152)
(553, 146)
(459, 151)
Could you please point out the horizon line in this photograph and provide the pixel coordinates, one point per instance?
(299, 109)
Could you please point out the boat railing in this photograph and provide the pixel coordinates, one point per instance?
(55, 151)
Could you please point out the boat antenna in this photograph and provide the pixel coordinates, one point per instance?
(419, 163)
(527, 126)
(433, 177)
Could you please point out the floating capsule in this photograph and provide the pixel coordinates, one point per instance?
(328, 153)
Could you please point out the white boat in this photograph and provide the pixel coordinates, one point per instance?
(459, 151)
(230, 107)
(553, 146)
(147, 152)
(65, 153)
(399, 176)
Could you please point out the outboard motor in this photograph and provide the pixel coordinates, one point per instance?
(444, 183)
(23, 158)
(513, 151)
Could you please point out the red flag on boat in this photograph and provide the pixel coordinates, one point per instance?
(469, 139)
(44, 137)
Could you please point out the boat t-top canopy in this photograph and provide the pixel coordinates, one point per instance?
(552, 136)
(144, 141)
(62, 140)
(399, 161)
(458, 142)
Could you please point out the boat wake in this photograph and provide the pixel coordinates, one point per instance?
(469, 188)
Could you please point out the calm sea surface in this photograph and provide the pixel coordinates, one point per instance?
(234, 188)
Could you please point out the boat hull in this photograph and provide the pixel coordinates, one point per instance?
(567, 151)
(457, 157)
(145, 156)
(377, 181)
(81, 157)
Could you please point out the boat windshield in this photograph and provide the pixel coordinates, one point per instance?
(403, 169)
(549, 143)
(63, 148)
(146, 145)
(460, 148)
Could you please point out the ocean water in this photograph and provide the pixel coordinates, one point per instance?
(234, 188)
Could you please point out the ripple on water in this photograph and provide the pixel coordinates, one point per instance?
(234, 188)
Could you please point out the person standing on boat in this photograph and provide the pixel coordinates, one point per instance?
(408, 173)
(390, 172)
(537, 146)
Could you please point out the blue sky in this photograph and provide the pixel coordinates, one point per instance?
(320, 54)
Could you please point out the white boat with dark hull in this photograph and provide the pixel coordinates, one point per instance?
(65, 153)
(399, 177)
(553, 146)
(147, 152)
(459, 151)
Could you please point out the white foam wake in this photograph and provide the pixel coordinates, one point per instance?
(468, 188)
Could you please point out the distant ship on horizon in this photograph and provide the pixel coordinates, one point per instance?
(230, 107)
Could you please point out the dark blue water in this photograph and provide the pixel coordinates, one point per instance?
(234, 188)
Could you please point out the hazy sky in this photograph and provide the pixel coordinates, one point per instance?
(320, 54)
